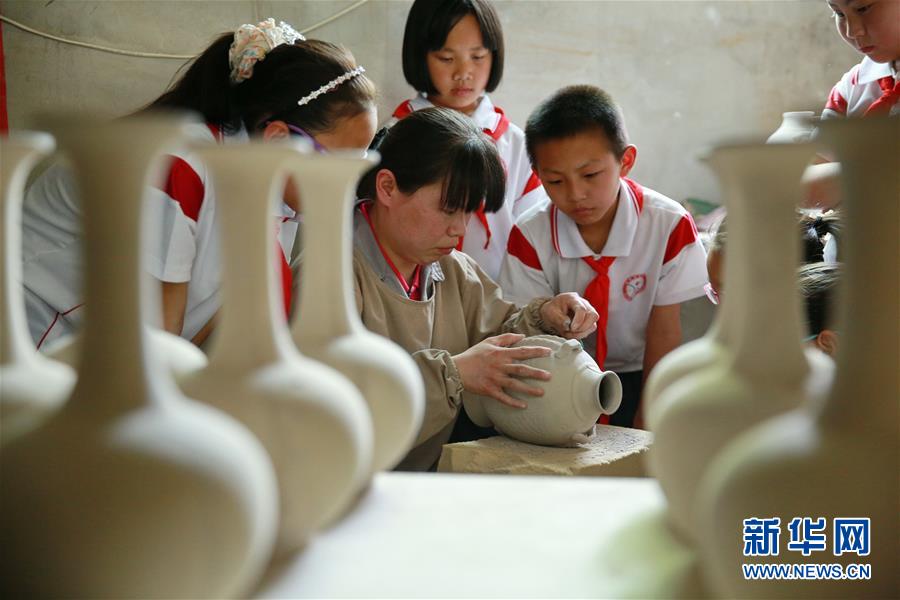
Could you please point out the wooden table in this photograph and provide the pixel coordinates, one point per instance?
(462, 536)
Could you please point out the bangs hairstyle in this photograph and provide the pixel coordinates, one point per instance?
(427, 27)
(439, 144)
(576, 109)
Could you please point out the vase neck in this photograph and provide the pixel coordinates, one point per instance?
(20, 153)
(761, 185)
(248, 181)
(864, 395)
(117, 374)
(327, 303)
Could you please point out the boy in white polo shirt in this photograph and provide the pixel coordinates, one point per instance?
(631, 252)
(873, 86)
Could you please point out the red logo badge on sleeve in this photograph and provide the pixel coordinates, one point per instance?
(634, 285)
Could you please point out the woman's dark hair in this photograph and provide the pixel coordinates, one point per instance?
(440, 144)
(286, 74)
(576, 109)
(813, 231)
(427, 26)
(817, 283)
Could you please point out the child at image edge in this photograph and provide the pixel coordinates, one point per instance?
(633, 253)
(453, 55)
(871, 27)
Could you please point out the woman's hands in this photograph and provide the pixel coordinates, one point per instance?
(491, 365)
(570, 315)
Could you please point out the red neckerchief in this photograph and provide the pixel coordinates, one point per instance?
(413, 290)
(890, 94)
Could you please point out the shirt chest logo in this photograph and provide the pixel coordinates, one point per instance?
(633, 286)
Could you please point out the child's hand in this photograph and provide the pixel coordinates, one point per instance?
(490, 366)
(570, 315)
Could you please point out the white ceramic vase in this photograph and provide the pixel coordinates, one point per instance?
(328, 327)
(796, 127)
(129, 490)
(837, 458)
(33, 386)
(764, 370)
(694, 356)
(312, 421)
(179, 356)
(574, 398)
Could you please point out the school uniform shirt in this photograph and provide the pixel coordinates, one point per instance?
(656, 259)
(180, 242)
(459, 307)
(858, 91)
(487, 233)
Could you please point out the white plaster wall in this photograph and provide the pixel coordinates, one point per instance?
(687, 73)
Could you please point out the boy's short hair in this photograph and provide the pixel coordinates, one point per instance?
(440, 144)
(427, 27)
(573, 110)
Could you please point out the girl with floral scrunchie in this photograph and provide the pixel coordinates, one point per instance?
(262, 80)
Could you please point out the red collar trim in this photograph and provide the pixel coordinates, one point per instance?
(412, 289)
(502, 125)
(404, 110)
(637, 194)
(216, 131)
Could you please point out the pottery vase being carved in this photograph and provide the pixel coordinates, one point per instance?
(328, 327)
(764, 369)
(574, 398)
(130, 489)
(836, 459)
(310, 418)
(33, 386)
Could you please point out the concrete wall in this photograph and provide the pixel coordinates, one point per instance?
(687, 73)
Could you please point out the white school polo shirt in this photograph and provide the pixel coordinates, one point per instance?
(858, 89)
(659, 261)
(180, 242)
(523, 188)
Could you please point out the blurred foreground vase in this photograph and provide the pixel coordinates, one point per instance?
(31, 385)
(835, 459)
(130, 490)
(574, 398)
(764, 370)
(312, 421)
(177, 355)
(328, 327)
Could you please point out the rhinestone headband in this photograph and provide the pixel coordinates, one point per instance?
(331, 85)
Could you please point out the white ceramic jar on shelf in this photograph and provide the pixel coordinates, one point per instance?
(310, 418)
(796, 127)
(33, 386)
(130, 490)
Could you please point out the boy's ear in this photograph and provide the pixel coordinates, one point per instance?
(276, 130)
(827, 342)
(385, 187)
(628, 159)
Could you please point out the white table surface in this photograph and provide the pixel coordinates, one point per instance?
(492, 536)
